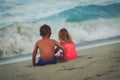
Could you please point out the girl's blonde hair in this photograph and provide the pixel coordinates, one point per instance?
(64, 35)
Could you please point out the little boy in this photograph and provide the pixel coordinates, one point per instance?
(46, 47)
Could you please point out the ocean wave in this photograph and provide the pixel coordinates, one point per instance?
(85, 23)
(12, 11)
(20, 37)
(89, 12)
(82, 13)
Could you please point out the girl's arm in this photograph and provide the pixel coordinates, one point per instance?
(56, 50)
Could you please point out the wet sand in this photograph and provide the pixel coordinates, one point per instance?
(100, 63)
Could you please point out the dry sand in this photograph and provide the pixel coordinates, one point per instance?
(100, 63)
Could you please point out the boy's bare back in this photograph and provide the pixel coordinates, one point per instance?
(46, 47)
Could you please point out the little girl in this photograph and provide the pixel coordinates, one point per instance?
(66, 40)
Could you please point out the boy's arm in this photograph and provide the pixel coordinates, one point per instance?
(64, 53)
(56, 50)
(34, 54)
(62, 47)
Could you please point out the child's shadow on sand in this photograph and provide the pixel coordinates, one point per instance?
(29, 66)
(70, 68)
(85, 57)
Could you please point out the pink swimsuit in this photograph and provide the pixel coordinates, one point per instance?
(70, 51)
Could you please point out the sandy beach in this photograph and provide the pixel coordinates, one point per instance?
(100, 63)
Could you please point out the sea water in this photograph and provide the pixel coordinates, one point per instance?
(86, 20)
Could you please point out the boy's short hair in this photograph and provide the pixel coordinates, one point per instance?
(44, 30)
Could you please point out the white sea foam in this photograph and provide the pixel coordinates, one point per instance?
(94, 29)
(20, 37)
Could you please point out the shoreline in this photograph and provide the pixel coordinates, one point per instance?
(79, 47)
(98, 43)
(99, 63)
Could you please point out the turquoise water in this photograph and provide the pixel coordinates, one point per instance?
(89, 12)
(83, 13)
(86, 20)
